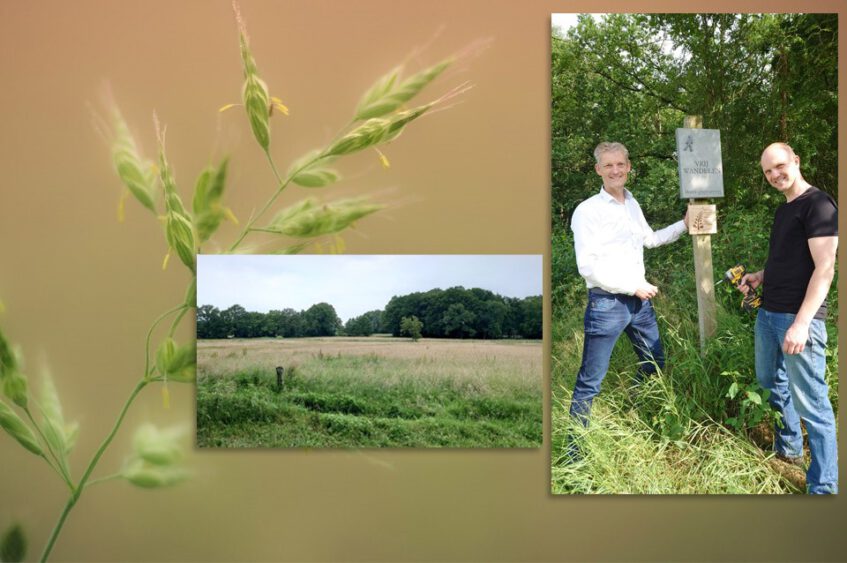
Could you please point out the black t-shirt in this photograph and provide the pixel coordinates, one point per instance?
(789, 267)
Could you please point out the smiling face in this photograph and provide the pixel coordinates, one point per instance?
(781, 167)
(614, 168)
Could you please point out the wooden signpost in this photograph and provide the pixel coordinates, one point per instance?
(700, 177)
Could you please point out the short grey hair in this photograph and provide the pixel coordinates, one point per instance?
(606, 146)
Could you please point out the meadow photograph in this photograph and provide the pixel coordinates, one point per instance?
(369, 351)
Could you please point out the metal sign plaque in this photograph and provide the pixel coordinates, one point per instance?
(700, 165)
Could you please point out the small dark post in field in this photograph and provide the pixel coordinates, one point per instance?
(280, 377)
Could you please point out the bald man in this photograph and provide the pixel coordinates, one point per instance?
(790, 330)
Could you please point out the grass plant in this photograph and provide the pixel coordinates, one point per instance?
(39, 426)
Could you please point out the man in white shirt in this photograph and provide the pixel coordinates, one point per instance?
(610, 234)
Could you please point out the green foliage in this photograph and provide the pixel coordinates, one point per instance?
(364, 325)
(751, 402)
(464, 313)
(452, 313)
(411, 327)
(632, 78)
(13, 545)
(321, 320)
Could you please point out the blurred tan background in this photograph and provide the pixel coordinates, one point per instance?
(81, 289)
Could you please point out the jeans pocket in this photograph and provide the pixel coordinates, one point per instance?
(601, 302)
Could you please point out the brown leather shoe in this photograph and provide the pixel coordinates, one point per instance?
(799, 461)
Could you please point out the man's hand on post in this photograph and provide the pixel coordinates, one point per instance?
(648, 291)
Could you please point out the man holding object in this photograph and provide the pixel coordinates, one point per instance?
(790, 330)
(610, 234)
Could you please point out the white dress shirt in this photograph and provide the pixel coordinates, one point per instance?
(609, 239)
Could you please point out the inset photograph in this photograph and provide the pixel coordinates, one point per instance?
(694, 242)
(346, 351)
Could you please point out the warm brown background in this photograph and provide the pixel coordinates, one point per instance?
(81, 289)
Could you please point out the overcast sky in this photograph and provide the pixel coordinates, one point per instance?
(354, 284)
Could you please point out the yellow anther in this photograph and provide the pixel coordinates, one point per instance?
(383, 159)
(230, 215)
(165, 261)
(279, 105)
(226, 107)
(122, 206)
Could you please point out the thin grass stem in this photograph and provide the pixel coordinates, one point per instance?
(72, 500)
(282, 185)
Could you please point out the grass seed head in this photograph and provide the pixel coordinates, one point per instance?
(135, 172)
(388, 95)
(15, 387)
(308, 219)
(176, 363)
(159, 447)
(55, 429)
(149, 476)
(179, 231)
(375, 131)
(156, 458)
(311, 171)
(257, 100)
(208, 211)
(8, 358)
(17, 429)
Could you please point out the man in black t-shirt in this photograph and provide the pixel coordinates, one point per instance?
(790, 331)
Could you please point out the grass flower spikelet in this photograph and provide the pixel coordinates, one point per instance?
(387, 95)
(308, 219)
(17, 429)
(311, 171)
(375, 131)
(156, 458)
(133, 170)
(254, 93)
(179, 231)
(208, 211)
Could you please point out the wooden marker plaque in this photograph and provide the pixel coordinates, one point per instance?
(702, 219)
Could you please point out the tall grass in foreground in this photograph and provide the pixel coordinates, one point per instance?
(702, 425)
(372, 401)
(379, 118)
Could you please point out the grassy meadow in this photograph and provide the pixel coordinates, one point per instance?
(377, 391)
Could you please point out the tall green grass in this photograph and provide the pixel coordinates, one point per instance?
(367, 401)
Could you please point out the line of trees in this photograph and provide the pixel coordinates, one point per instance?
(444, 313)
(236, 322)
(466, 313)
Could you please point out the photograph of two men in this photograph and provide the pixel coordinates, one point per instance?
(694, 241)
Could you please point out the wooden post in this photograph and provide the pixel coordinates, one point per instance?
(703, 270)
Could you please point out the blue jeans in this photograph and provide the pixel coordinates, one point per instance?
(606, 317)
(799, 392)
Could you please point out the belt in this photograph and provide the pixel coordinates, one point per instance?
(598, 291)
